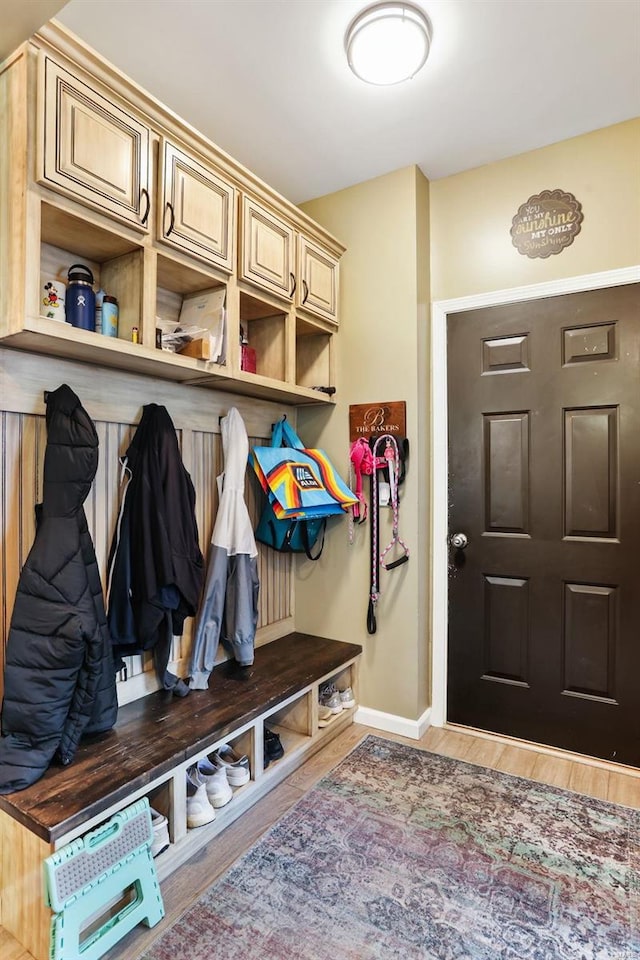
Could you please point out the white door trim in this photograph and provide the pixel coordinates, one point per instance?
(439, 454)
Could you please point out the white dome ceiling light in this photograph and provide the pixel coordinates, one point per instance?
(388, 42)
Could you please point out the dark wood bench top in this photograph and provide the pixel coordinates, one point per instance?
(160, 731)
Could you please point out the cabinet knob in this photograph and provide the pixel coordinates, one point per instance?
(306, 291)
(293, 285)
(169, 207)
(145, 193)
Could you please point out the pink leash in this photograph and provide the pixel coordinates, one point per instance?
(392, 458)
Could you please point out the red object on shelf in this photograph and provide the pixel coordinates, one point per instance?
(248, 359)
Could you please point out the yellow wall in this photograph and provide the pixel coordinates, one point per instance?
(390, 226)
(384, 296)
(471, 214)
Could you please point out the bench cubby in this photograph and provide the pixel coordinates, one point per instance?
(153, 744)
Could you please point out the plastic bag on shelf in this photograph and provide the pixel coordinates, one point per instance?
(175, 336)
(207, 310)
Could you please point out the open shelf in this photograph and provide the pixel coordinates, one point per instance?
(53, 338)
(176, 277)
(176, 281)
(265, 327)
(252, 385)
(314, 355)
(293, 724)
(61, 228)
(115, 261)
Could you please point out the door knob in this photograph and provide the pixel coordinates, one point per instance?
(459, 541)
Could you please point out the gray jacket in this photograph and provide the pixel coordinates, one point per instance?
(229, 609)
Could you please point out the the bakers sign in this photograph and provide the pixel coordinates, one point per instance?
(371, 419)
(546, 224)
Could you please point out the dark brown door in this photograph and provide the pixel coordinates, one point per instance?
(544, 473)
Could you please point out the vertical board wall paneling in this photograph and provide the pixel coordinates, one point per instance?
(22, 447)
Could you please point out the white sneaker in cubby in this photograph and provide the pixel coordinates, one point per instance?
(330, 698)
(325, 716)
(235, 766)
(216, 781)
(199, 809)
(160, 827)
(347, 698)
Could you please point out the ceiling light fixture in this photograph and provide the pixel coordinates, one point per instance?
(388, 42)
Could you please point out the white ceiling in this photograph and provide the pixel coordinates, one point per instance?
(267, 80)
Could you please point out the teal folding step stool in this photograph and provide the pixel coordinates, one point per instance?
(84, 877)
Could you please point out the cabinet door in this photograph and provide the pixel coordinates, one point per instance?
(196, 209)
(317, 290)
(91, 149)
(268, 250)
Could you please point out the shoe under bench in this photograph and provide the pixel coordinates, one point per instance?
(155, 740)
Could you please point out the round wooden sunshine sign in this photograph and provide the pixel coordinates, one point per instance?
(546, 224)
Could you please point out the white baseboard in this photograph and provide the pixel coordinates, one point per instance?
(391, 723)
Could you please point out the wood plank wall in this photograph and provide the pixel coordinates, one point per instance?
(114, 400)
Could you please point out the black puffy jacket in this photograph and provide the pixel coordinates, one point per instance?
(59, 677)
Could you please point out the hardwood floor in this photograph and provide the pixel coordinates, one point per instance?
(593, 777)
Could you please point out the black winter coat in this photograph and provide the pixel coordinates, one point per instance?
(157, 568)
(59, 677)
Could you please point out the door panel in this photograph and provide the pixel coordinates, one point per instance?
(591, 472)
(590, 639)
(505, 353)
(544, 464)
(589, 344)
(506, 472)
(506, 631)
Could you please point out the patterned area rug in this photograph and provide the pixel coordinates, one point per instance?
(400, 854)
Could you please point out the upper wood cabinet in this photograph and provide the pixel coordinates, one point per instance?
(96, 171)
(317, 289)
(90, 148)
(267, 245)
(278, 258)
(196, 208)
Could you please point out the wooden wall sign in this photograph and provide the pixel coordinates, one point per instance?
(546, 224)
(371, 419)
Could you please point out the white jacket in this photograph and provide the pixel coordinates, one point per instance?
(229, 609)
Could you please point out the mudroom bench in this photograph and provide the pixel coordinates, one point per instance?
(154, 742)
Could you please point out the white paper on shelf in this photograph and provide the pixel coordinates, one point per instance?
(206, 310)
